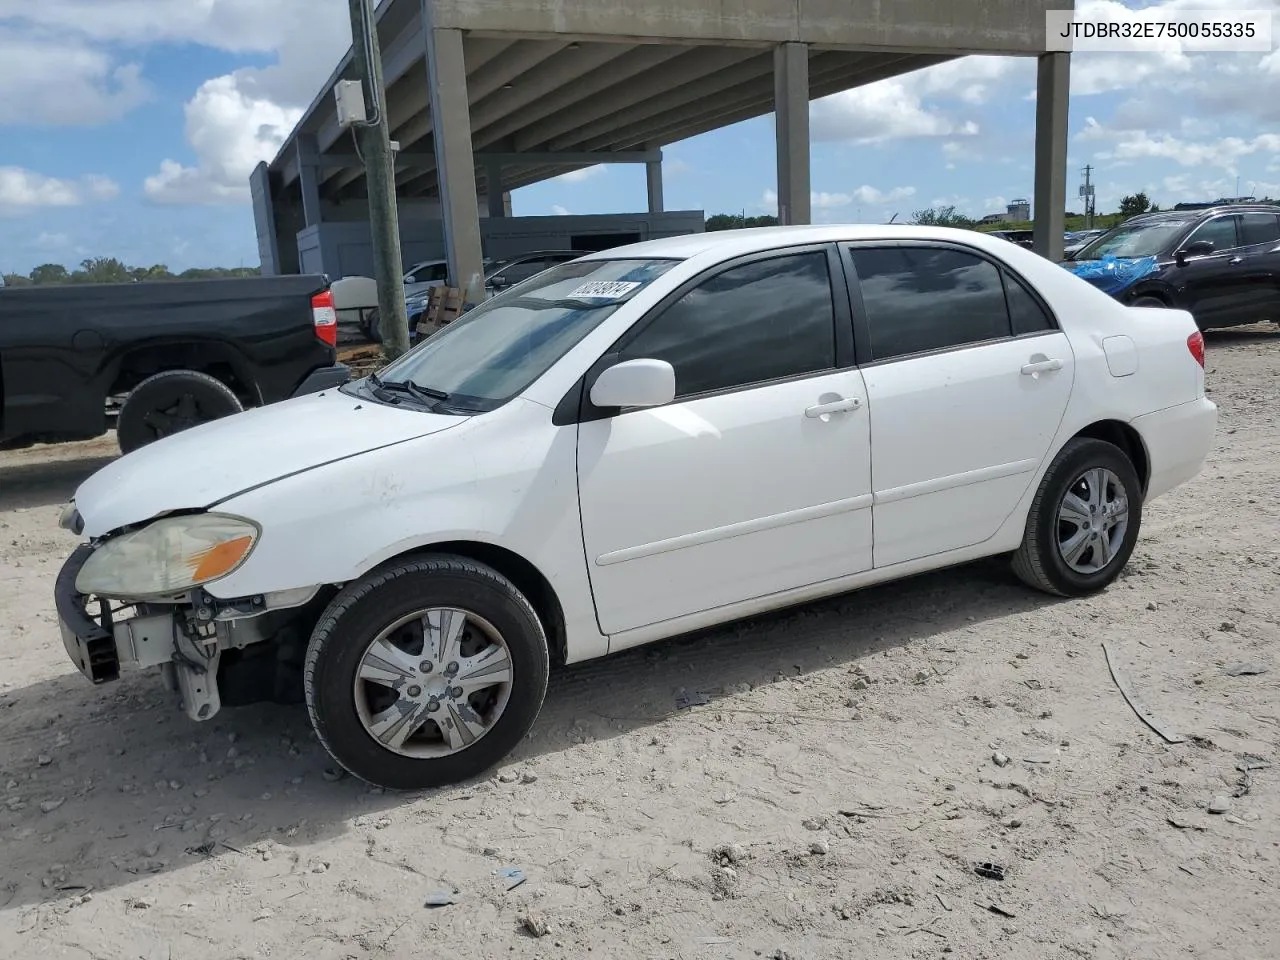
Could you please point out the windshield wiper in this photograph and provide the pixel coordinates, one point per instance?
(425, 394)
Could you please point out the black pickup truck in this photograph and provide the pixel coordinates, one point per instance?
(158, 357)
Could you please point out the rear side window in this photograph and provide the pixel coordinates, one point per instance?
(760, 321)
(919, 299)
(1025, 313)
(1258, 228)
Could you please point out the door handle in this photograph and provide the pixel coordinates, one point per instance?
(835, 406)
(1037, 367)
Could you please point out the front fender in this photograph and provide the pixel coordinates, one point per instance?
(506, 478)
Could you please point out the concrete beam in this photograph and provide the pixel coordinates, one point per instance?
(450, 110)
(548, 76)
(850, 70)
(791, 113)
(1053, 82)
(308, 159)
(521, 57)
(1014, 27)
(589, 85)
(587, 157)
(742, 71)
(493, 189)
(691, 68)
(757, 105)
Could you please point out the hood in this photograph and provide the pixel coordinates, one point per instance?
(200, 467)
(1113, 275)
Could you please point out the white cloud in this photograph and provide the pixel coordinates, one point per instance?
(1125, 146)
(560, 211)
(51, 241)
(577, 176)
(822, 201)
(25, 191)
(58, 81)
(889, 110)
(230, 131)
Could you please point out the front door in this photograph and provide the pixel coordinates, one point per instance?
(756, 478)
(968, 379)
(1215, 286)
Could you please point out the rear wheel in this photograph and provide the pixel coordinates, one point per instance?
(1148, 302)
(1084, 521)
(170, 402)
(426, 673)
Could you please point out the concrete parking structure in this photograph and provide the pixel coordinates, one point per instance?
(486, 96)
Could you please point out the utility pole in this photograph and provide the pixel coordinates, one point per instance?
(373, 140)
(1086, 191)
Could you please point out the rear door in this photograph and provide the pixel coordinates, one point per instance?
(968, 377)
(1260, 246)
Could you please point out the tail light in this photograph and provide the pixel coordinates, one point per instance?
(325, 318)
(1195, 343)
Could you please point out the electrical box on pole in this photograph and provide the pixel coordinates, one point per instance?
(349, 95)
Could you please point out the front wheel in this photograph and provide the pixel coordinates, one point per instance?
(1148, 302)
(426, 673)
(1084, 521)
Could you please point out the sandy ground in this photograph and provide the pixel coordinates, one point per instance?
(830, 800)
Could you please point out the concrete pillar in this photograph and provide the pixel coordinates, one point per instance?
(791, 112)
(497, 204)
(653, 181)
(1053, 91)
(309, 177)
(455, 160)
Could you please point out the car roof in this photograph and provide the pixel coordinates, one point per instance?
(1199, 213)
(724, 244)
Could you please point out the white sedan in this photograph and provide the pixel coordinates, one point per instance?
(626, 447)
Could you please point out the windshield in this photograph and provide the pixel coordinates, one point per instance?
(495, 351)
(1134, 240)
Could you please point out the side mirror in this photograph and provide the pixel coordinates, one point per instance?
(635, 383)
(1200, 248)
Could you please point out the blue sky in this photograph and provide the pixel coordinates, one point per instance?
(129, 127)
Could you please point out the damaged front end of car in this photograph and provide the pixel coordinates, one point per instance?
(135, 600)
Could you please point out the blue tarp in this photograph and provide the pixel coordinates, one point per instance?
(1114, 274)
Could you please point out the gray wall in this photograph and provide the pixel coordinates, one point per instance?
(346, 249)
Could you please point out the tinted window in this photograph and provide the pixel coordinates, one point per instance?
(920, 299)
(1025, 311)
(1220, 231)
(1259, 228)
(760, 321)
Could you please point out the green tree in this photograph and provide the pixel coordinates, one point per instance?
(1135, 204)
(50, 273)
(101, 270)
(941, 217)
(16, 280)
(157, 272)
(736, 221)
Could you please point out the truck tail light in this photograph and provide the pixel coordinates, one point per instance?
(325, 318)
(1195, 343)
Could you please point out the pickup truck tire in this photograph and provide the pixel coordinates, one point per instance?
(170, 402)
(426, 672)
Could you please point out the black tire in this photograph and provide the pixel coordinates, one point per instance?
(354, 620)
(374, 326)
(1039, 562)
(1148, 302)
(170, 402)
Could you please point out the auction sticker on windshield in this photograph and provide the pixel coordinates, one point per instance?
(604, 290)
